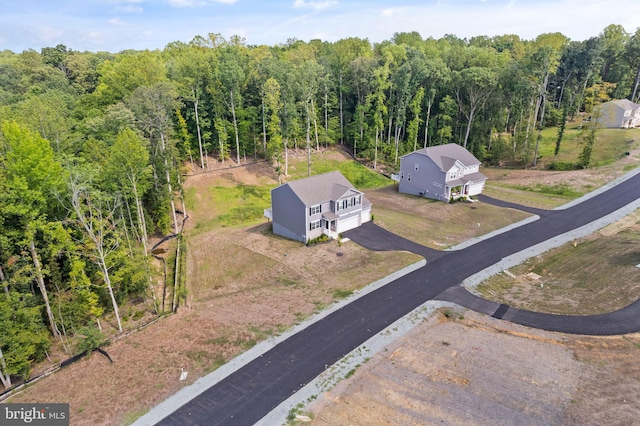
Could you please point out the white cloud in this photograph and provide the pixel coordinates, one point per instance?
(388, 13)
(315, 5)
(130, 9)
(117, 22)
(195, 3)
(48, 34)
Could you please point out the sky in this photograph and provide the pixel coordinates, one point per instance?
(116, 25)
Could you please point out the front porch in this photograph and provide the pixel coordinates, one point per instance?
(456, 192)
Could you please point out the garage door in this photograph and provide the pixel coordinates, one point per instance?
(350, 223)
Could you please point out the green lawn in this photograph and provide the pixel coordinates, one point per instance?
(610, 145)
(228, 204)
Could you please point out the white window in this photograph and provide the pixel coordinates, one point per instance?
(401, 174)
(627, 113)
(315, 210)
(314, 225)
(416, 167)
(345, 204)
(409, 177)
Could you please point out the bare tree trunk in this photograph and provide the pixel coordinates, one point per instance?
(361, 132)
(176, 277)
(326, 120)
(264, 128)
(397, 142)
(532, 118)
(4, 378)
(140, 213)
(43, 289)
(426, 121)
(375, 156)
(168, 178)
(4, 282)
(466, 135)
(195, 107)
(235, 127)
(635, 86)
(308, 141)
(315, 124)
(341, 116)
(535, 155)
(105, 273)
(286, 156)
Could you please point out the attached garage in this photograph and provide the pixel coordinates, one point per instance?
(348, 223)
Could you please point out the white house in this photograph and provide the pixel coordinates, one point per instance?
(327, 204)
(621, 113)
(442, 172)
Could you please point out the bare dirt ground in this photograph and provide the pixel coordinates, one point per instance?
(481, 371)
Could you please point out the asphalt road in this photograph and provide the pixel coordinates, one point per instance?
(248, 394)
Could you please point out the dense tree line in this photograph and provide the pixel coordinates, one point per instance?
(92, 144)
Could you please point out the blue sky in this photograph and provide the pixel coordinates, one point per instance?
(115, 25)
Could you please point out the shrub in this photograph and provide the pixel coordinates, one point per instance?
(321, 239)
(562, 166)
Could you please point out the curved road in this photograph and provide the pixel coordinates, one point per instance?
(248, 394)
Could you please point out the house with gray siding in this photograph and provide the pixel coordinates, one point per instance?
(620, 113)
(328, 204)
(442, 172)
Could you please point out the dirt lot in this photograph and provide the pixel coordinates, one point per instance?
(230, 308)
(482, 371)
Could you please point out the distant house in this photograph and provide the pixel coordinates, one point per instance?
(621, 113)
(324, 204)
(443, 172)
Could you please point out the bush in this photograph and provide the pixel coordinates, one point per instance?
(321, 239)
(90, 338)
(562, 166)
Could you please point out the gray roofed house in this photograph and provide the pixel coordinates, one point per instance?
(620, 113)
(442, 172)
(327, 204)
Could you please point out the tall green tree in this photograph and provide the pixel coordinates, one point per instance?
(33, 177)
(473, 86)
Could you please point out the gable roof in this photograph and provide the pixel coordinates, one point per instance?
(445, 156)
(625, 104)
(321, 188)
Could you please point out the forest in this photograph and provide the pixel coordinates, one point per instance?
(94, 146)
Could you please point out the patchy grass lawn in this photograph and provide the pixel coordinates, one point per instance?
(594, 275)
(548, 189)
(433, 223)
